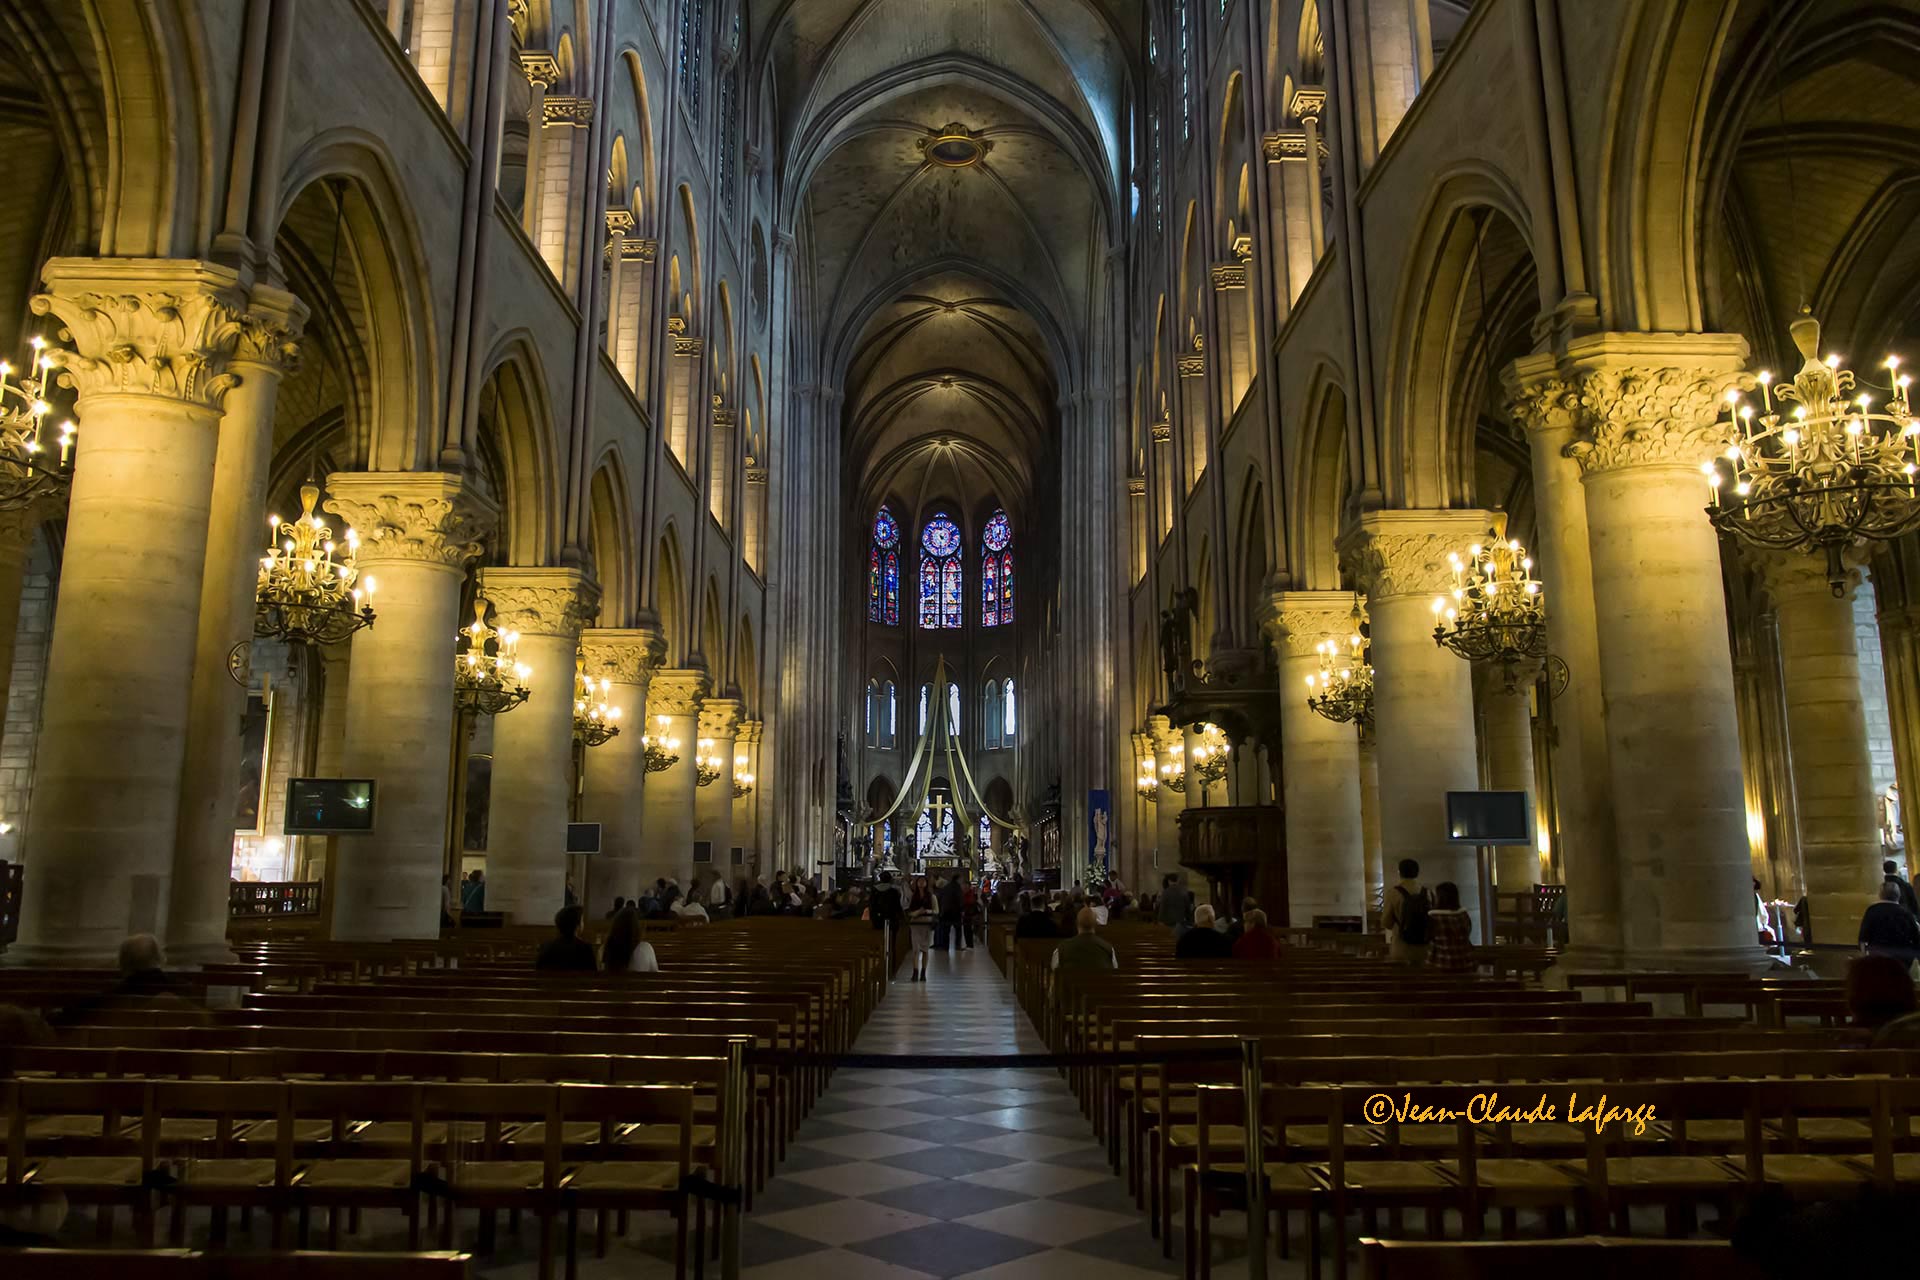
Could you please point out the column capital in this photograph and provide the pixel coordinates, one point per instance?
(1539, 399)
(558, 109)
(270, 332)
(432, 516)
(541, 602)
(619, 223)
(676, 692)
(625, 655)
(161, 327)
(1404, 553)
(540, 68)
(1788, 574)
(1229, 275)
(1309, 101)
(1299, 620)
(748, 734)
(720, 717)
(1651, 399)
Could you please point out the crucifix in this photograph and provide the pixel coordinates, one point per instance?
(940, 807)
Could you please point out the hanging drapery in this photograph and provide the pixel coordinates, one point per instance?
(939, 738)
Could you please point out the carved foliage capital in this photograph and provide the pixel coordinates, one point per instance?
(541, 602)
(427, 516)
(720, 717)
(748, 735)
(624, 655)
(1404, 553)
(157, 328)
(676, 692)
(1543, 404)
(1651, 415)
(540, 68)
(270, 331)
(1300, 620)
(577, 112)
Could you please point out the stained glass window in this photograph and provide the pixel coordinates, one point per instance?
(1186, 77)
(996, 571)
(984, 840)
(923, 833)
(883, 571)
(940, 574)
(889, 717)
(990, 705)
(953, 708)
(1008, 718)
(925, 691)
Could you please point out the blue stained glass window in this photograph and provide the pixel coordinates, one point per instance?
(996, 571)
(883, 571)
(985, 837)
(940, 575)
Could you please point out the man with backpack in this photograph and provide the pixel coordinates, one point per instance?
(1404, 917)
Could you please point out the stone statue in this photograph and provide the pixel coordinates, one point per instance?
(1176, 637)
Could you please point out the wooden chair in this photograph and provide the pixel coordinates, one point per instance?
(72, 1136)
(648, 1169)
(372, 1156)
(212, 1168)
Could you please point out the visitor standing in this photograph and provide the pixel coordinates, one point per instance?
(719, 899)
(1889, 929)
(1449, 931)
(949, 900)
(473, 894)
(1176, 904)
(920, 914)
(1405, 917)
(1907, 899)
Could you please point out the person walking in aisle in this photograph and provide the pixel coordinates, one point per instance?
(920, 913)
(1405, 918)
(1449, 931)
(949, 899)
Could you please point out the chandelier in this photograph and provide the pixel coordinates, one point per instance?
(742, 780)
(1819, 468)
(662, 749)
(310, 590)
(707, 764)
(1496, 612)
(1146, 784)
(488, 679)
(1210, 755)
(1173, 773)
(1343, 690)
(27, 472)
(594, 718)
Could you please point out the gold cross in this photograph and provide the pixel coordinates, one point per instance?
(939, 807)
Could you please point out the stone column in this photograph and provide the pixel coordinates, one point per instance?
(1308, 102)
(152, 340)
(17, 532)
(1320, 778)
(667, 815)
(1506, 728)
(197, 911)
(1545, 405)
(1370, 819)
(533, 743)
(1422, 693)
(619, 225)
(1650, 406)
(615, 784)
(542, 73)
(417, 532)
(329, 750)
(1827, 740)
(746, 809)
(713, 804)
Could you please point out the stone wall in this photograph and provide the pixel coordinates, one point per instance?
(25, 688)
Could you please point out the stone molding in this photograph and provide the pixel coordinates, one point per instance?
(1299, 620)
(624, 655)
(756, 475)
(687, 348)
(166, 328)
(1792, 573)
(1229, 275)
(1163, 431)
(1651, 399)
(564, 109)
(1404, 553)
(677, 692)
(1164, 736)
(1193, 366)
(1136, 486)
(540, 68)
(748, 735)
(429, 516)
(636, 248)
(1286, 144)
(723, 417)
(541, 602)
(720, 717)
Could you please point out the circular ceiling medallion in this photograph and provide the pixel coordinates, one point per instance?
(955, 146)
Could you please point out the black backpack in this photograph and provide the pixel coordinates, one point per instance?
(1413, 917)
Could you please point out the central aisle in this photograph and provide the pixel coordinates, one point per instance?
(904, 1174)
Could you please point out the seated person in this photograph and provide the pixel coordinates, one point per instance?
(1256, 941)
(626, 951)
(1203, 941)
(566, 951)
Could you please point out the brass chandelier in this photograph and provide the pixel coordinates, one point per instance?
(1210, 755)
(742, 780)
(28, 469)
(1146, 784)
(488, 677)
(595, 719)
(1343, 690)
(1173, 771)
(661, 748)
(1820, 468)
(1496, 612)
(310, 590)
(707, 763)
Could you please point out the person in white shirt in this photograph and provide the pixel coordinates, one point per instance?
(625, 951)
(691, 912)
(717, 893)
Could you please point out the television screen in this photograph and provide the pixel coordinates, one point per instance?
(329, 806)
(1488, 817)
(583, 837)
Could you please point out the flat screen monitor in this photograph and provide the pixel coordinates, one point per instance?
(1488, 817)
(329, 806)
(583, 837)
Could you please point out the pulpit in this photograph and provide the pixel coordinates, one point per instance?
(1242, 851)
